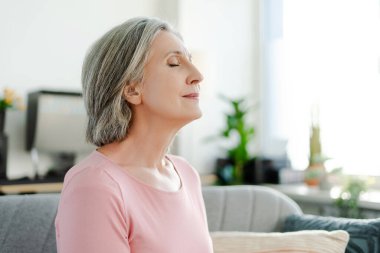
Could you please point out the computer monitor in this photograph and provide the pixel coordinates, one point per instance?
(56, 125)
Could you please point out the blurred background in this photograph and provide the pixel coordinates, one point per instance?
(296, 66)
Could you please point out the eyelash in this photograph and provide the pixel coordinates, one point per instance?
(173, 65)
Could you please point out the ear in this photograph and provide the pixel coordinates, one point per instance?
(132, 93)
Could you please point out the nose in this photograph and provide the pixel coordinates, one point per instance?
(195, 76)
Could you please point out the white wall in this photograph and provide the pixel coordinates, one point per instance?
(43, 43)
(223, 36)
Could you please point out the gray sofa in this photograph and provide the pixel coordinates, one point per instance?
(27, 221)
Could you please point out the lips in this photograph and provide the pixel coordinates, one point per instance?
(193, 95)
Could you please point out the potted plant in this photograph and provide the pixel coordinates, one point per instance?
(7, 100)
(315, 173)
(231, 169)
(348, 200)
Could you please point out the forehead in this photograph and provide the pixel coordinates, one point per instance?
(166, 42)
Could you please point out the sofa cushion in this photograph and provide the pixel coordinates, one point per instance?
(364, 234)
(317, 241)
(248, 208)
(27, 223)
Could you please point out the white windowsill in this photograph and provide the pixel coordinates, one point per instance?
(303, 193)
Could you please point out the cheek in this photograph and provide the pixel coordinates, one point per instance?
(162, 85)
(159, 93)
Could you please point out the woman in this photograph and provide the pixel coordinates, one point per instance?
(139, 88)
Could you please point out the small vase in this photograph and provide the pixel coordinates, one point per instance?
(314, 174)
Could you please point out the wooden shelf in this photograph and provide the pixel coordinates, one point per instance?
(31, 188)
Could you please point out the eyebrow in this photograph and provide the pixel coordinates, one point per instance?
(186, 53)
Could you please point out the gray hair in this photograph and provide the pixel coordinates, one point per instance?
(113, 62)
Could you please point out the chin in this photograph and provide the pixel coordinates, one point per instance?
(197, 115)
(192, 117)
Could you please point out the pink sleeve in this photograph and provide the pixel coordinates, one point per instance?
(91, 219)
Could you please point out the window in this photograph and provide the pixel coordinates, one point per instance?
(325, 53)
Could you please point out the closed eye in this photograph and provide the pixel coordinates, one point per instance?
(174, 61)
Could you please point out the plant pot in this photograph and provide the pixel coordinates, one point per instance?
(224, 169)
(253, 172)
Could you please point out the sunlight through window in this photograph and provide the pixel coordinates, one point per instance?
(329, 55)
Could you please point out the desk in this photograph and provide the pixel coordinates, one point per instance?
(30, 186)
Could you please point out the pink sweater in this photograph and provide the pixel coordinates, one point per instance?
(103, 209)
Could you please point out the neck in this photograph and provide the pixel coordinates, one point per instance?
(145, 146)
